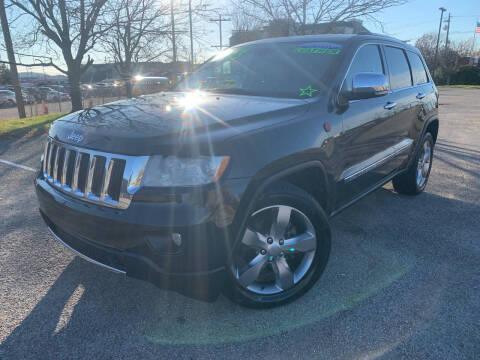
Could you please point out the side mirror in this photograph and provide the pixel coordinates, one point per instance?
(367, 85)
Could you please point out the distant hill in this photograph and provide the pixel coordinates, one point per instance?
(37, 75)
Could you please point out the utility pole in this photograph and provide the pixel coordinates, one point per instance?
(173, 34)
(11, 60)
(474, 45)
(448, 32)
(442, 9)
(192, 59)
(220, 20)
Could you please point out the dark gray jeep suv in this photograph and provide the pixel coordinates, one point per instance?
(228, 182)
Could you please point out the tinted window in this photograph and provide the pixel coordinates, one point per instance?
(398, 66)
(367, 59)
(283, 69)
(419, 73)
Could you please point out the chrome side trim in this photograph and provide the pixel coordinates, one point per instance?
(85, 257)
(376, 160)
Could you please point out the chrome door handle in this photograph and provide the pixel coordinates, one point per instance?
(390, 105)
(421, 96)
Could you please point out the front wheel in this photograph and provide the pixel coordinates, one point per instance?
(283, 250)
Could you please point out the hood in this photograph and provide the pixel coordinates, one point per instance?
(166, 122)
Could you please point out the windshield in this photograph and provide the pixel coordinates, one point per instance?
(292, 69)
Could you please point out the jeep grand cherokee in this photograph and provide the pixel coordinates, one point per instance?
(228, 181)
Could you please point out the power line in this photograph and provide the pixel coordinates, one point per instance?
(464, 16)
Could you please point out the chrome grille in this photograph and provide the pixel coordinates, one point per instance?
(94, 176)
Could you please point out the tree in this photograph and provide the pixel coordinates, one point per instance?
(5, 75)
(449, 58)
(11, 60)
(299, 13)
(138, 30)
(72, 26)
(242, 21)
(427, 44)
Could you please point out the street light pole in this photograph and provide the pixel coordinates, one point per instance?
(442, 9)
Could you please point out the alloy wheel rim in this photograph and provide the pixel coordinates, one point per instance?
(423, 165)
(276, 251)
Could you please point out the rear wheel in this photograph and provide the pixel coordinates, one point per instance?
(414, 181)
(283, 250)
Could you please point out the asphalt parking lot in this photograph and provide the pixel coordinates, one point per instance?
(403, 279)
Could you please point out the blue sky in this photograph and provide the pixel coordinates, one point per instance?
(406, 22)
(410, 21)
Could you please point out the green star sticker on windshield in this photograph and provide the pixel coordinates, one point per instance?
(308, 91)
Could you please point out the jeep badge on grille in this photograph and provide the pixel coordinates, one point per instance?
(75, 137)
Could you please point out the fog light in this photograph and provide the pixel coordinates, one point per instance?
(165, 244)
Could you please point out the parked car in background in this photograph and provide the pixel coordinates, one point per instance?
(87, 87)
(7, 98)
(57, 96)
(27, 98)
(60, 88)
(41, 92)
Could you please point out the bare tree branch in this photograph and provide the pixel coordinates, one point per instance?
(138, 33)
(298, 13)
(73, 27)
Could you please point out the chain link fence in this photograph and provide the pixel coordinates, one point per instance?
(39, 101)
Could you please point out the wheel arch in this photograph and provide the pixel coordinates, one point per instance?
(300, 175)
(432, 126)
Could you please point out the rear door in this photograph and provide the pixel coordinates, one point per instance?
(426, 97)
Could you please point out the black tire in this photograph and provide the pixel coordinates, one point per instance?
(407, 182)
(285, 194)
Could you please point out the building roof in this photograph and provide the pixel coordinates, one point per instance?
(338, 38)
(284, 27)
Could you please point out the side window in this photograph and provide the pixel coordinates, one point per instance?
(419, 73)
(367, 59)
(398, 66)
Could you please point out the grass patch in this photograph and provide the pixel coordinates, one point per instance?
(34, 125)
(460, 86)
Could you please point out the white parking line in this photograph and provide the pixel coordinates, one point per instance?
(17, 165)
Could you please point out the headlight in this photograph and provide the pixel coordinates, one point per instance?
(174, 171)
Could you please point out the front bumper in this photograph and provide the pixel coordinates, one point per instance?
(140, 240)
